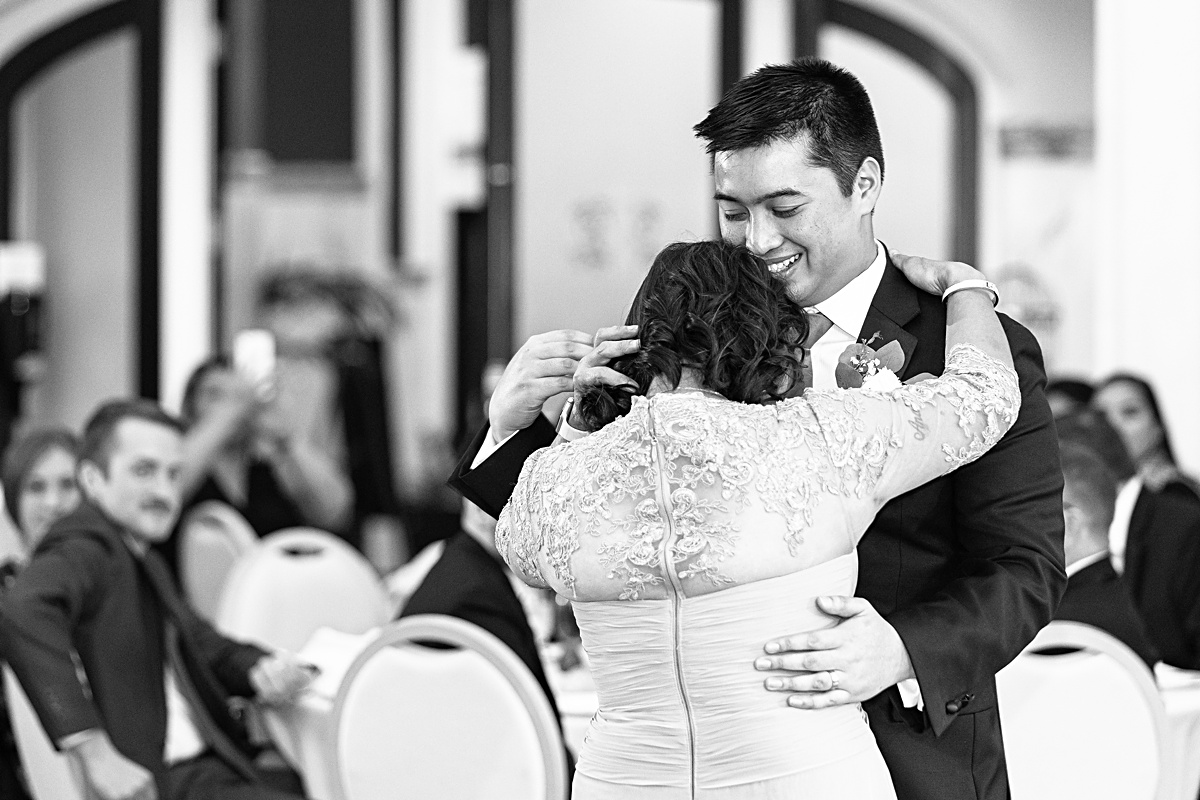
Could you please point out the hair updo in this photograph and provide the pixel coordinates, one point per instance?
(716, 308)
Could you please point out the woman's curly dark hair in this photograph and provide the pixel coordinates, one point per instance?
(714, 307)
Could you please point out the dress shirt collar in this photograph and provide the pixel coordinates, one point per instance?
(1085, 562)
(849, 305)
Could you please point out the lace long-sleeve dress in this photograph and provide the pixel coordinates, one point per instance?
(694, 529)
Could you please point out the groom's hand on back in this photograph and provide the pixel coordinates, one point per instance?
(851, 662)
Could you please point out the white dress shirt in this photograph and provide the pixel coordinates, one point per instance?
(1118, 531)
(847, 310)
(183, 740)
(1085, 562)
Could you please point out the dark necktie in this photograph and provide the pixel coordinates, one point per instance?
(818, 326)
(173, 605)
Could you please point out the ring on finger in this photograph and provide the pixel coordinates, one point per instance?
(833, 679)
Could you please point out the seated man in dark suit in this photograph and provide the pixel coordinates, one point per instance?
(1154, 543)
(1095, 594)
(469, 581)
(149, 718)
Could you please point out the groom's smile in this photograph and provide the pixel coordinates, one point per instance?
(793, 214)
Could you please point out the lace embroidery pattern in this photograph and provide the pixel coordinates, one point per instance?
(717, 459)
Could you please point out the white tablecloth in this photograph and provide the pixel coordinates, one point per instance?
(303, 731)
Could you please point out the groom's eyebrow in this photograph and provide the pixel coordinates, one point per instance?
(763, 199)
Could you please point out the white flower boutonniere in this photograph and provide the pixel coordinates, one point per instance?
(860, 366)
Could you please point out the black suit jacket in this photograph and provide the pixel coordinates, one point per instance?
(1098, 596)
(967, 568)
(1162, 570)
(85, 591)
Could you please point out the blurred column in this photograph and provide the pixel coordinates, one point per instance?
(188, 148)
(1147, 276)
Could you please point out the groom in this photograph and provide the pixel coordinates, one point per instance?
(957, 576)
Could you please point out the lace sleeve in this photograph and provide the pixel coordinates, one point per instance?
(882, 444)
(518, 531)
(945, 422)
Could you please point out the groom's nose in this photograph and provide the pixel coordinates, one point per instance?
(762, 234)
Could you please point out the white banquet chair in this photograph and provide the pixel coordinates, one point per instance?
(296, 581)
(213, 536)
(419, 722)
(50, 774)
(1088, 722)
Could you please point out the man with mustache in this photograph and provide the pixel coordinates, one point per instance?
(148, 716)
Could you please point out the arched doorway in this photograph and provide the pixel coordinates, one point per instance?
(876, 46)
(79, 122)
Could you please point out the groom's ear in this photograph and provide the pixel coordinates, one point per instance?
(867, 185)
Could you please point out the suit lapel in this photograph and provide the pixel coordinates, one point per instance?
(895, 305)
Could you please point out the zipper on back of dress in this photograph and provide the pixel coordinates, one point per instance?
(674, 591)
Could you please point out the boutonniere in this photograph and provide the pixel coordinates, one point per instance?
(861, 366)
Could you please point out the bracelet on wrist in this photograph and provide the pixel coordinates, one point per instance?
(973, 283)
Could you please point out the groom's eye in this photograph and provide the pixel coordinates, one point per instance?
(787, 211)
(734, 216)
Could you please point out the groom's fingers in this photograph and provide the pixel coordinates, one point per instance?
(615, 332)
(836, 697)
(607, 351)
(819, 681)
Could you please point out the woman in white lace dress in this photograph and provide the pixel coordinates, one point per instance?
(705, 519)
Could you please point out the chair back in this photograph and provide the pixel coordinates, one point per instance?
(1085, 723)
(50, 774)
(415, 721)
(296, 581)
(213, 536)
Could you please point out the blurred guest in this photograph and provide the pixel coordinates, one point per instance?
(330, 326)
(39, 488)
(1095, 594)
(39, 485)
(1154, 543)
(471, 582)
(124, 677)
(1068, 395)
(240, 449)
(1132, 408)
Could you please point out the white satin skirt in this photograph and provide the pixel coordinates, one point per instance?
(683, 713)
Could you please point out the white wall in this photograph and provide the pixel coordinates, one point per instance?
(607, 169)
(1145, 281)
(915, 117)
(442, 170)
(76, 194)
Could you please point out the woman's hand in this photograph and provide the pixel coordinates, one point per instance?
(933, 276)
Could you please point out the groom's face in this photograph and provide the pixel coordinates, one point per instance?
(794, 215)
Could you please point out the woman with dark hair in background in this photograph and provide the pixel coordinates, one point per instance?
(1132, 408)
(708, 515)
(39, 489)
(39, 485)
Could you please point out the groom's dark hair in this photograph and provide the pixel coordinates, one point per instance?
(807, 98)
